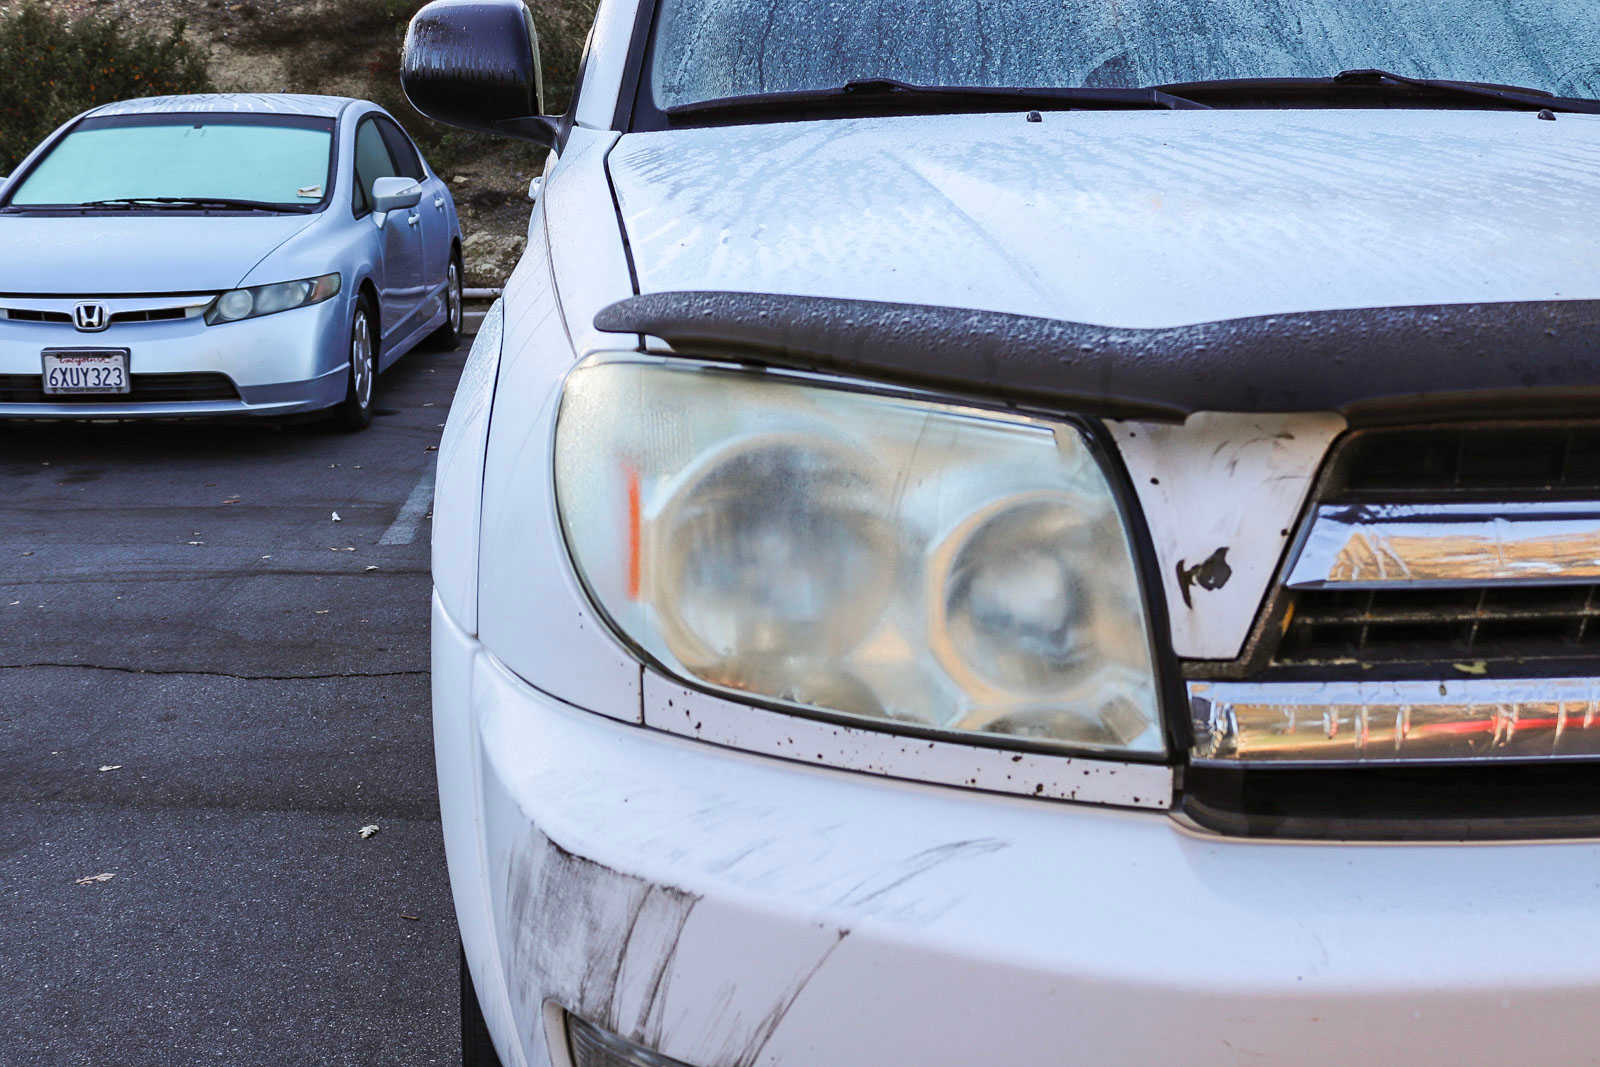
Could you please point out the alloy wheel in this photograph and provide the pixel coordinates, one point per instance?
(453, 298)
(361, 359)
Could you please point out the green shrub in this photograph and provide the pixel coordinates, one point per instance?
(51, 69)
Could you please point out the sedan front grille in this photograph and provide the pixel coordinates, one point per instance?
(145, 389)
(121, 311)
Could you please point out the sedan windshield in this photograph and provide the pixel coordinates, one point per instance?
(172, 162)
(715, 49)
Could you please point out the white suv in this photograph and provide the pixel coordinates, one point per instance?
(1029, 533)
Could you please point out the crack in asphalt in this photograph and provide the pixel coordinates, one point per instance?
(214, 674)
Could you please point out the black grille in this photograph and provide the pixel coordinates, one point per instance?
(158, 315)
(118, 319)
(1471, 459)
(146, 389)
(21, 315)
(1329, 627)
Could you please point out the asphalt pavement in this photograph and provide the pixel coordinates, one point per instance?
(208, 687)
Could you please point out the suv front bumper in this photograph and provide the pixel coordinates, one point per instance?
(731, 909)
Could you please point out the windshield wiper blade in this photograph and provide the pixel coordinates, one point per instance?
(192, 201)
(1514, 95)
(873, 94)
(1238, 90)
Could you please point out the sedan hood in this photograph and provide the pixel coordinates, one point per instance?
(102, 255)
(1143, 219)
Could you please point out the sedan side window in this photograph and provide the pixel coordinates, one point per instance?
(372, 162)
(401, 148)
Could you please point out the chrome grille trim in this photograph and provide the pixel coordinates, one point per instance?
(1449, 545)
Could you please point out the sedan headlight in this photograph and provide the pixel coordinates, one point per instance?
(849, 552)
(238, 304)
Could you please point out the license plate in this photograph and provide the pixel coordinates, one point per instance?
(80, 372)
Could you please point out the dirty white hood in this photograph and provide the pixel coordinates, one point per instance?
(1134, 219)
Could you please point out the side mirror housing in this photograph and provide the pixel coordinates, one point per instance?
(395, 194)
(474, 64)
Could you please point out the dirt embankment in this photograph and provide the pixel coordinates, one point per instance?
(351, 48)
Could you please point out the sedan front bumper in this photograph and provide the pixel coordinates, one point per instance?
(292, 362)
(727, 909)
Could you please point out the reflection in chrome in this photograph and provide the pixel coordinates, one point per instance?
(1369, 546)
(1395, 721)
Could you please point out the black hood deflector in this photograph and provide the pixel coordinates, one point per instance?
(1370, 364)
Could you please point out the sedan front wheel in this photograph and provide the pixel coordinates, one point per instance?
(449, 335)
(361, 381)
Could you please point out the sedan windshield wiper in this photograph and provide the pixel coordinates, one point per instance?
(1347, 82)
(193, 201)
(876, 95)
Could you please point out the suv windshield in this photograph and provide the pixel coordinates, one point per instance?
(715, 49)
(176, 161)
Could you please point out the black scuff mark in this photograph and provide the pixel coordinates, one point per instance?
(773, 1019)
(734, 860)
(635, 910)
(1212, 574)
(919, 864)
(583, 925)
(652, 1012)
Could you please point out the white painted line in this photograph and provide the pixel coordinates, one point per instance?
(403, 530)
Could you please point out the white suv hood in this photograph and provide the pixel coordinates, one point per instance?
(1134, 219)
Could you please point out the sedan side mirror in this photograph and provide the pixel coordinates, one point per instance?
(475, 64)
(395, 194)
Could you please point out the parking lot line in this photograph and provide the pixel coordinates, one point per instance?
(403, 530)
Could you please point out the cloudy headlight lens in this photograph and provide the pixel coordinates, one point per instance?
(235, 305)
(747, 576)
(860, 554)
(261, 300)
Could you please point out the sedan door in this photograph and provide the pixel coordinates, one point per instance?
(436, 227)
(399, 272)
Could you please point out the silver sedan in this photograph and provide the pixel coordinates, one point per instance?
(222, 254)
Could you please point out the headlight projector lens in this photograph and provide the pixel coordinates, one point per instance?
(1015, 603)
(775, 550)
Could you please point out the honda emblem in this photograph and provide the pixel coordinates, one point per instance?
(91, 318)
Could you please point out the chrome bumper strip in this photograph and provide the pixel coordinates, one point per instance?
(1321, 723)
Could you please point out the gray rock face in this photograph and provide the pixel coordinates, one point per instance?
(490, 258)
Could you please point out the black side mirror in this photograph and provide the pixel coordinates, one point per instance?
(475, 64)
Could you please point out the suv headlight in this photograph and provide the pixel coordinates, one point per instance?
(238, 304)
(850, 552)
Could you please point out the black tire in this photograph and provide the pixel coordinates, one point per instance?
(477, 1048)
(361, 375)
(449, 335)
